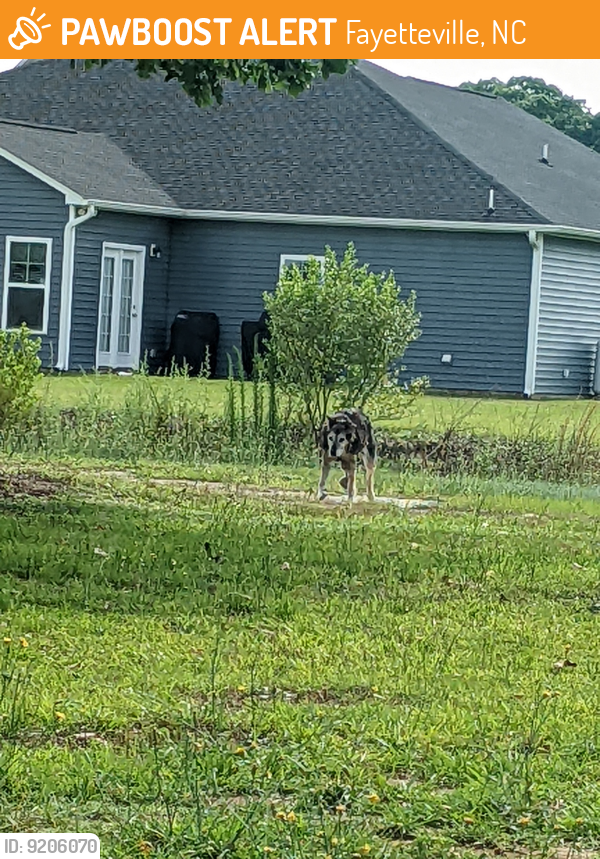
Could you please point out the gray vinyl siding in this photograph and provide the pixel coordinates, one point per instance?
(569, 317)
(472, 289)
(29, 207)
(121, 229)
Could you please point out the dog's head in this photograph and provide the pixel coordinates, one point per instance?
(339, 436)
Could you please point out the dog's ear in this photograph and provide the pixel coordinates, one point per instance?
(356, 443)
(323, 434)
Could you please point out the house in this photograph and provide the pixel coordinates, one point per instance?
(122, 203)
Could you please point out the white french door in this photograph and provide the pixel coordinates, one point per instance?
(120, 307)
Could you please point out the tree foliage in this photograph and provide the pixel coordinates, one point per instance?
(203, 80)
(338, 332)
(546, 101)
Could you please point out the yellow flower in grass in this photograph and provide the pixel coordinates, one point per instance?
(524, 821)
(59, 716)
(241, 751)
(340, 809)
(373, 798)
(281, 815)
(579, 821)
(468, 820)
(145, 847)
(24, 642)
(291, 817)
(268, 849)
(7, 640)
(365, 850)
(334, 842)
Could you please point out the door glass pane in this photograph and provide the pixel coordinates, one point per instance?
(106, 303)
(25, 305)
(125, 305)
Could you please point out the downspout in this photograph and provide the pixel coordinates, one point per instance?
(536, 240)
(66, 287)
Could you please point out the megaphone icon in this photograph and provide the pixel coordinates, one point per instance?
(27, 32)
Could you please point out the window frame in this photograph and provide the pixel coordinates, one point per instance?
(6, 284)
(291, 259)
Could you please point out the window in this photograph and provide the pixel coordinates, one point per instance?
(299, 260)
(27, 266)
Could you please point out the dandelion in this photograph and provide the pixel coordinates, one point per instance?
(579, 821)
(59, 716)
(24, 642)
(241, 751)
(334, 842)
(290, 817)
(281, 815)
(524, 821)
(365, 850)
(241, 688)
(373, 798)
(7, 640)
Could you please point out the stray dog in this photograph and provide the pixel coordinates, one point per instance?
(344, 437)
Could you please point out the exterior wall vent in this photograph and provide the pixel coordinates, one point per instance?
(596, 380)
(491, 208)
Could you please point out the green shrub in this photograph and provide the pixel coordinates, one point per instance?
(19, 371)
(338, 333)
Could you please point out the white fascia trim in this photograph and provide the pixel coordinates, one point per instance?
(66, 284)
(537, 243)
(346, 220)
(71, 198)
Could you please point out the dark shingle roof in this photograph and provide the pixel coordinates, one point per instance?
(343, 148)
(506, 142)
(89, 164)
(368, 144)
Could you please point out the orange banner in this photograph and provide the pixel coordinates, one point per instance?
(336, 28)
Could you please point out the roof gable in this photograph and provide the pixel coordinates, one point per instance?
(82, 166)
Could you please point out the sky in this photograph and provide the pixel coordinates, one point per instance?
(579, 78)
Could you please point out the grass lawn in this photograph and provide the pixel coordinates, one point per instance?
(485, 415)
(194, 675)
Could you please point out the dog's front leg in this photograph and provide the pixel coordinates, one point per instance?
(350, 470)
(370, 469)
(325, 469)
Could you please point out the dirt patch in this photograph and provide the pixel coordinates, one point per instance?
(293, 495)
(32, 485)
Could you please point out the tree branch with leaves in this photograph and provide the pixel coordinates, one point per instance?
(204, 80)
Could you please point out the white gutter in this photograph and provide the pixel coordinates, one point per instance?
(346, 220)
(537, 243)
(66, 284)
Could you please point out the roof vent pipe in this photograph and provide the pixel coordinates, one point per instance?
(491, 208)
(545, 159)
